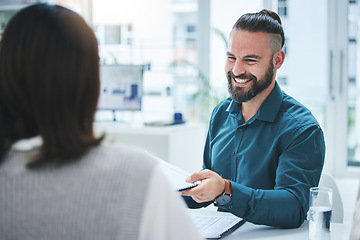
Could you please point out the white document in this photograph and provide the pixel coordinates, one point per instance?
(213, 224)
(176, 176)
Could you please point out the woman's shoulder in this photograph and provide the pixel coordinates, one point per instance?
(122, 156)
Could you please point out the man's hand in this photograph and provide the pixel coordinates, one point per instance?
(211, 186)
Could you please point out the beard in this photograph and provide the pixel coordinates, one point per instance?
(239, 95)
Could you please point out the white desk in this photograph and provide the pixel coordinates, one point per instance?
(348, 189)
(252, 231)
(181, 145)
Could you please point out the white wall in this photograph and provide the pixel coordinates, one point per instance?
(151, 21)
(306, 62)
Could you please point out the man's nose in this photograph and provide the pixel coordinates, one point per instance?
(238, 68)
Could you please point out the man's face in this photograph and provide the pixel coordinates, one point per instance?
(249, 66)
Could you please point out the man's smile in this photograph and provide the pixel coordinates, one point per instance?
(239, 80)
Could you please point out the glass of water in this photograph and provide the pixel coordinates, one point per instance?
(320, 209)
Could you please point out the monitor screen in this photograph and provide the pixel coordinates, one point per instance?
(121, 87)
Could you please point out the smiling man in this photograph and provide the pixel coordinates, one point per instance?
(264, 150)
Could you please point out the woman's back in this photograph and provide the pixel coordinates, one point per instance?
(101, 196)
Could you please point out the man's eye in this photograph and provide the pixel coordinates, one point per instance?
(250, 60)
(231, 58)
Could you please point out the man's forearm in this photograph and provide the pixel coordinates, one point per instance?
(278, 208)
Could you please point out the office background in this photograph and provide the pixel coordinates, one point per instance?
(184, 44)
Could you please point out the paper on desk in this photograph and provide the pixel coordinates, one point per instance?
(213, 224)
(176, 176)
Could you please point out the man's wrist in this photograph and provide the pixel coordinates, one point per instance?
(223, 192)
(225, 197)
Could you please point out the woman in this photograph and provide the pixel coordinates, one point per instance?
(57, 181)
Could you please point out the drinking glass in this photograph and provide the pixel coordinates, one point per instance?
(320, 209)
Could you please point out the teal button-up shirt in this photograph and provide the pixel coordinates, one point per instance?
(271, 160)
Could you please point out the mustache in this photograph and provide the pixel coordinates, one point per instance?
(241, 76)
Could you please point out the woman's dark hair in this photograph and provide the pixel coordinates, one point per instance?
(264, 21)
(49, 82)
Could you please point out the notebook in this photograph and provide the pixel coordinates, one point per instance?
(210, 223)
(176, 176)
(213, 224)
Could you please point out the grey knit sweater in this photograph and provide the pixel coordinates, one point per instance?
(99, 197)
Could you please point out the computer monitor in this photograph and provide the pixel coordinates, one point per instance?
(121, 87)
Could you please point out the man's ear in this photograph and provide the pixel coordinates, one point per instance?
(278, 59)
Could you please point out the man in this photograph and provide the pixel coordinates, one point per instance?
(264, 150)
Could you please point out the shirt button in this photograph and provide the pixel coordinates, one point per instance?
(233, 153)
(230, 207)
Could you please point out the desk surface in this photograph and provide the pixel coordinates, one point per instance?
(252, 231)
(348, 190)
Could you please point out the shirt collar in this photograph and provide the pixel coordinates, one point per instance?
(234, 110)
(268, 109)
